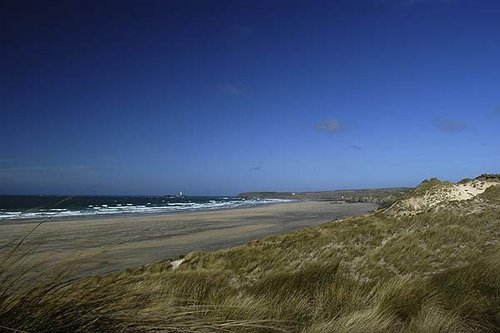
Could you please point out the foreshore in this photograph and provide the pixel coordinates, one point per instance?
(98, 245)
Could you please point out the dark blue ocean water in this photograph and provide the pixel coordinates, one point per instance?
(34, 207)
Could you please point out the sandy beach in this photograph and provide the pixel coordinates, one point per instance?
(106, 244)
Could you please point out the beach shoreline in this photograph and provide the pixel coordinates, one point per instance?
(90, 207)
(36, 220)
(113, 243)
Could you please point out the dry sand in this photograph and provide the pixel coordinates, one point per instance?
(112, 243)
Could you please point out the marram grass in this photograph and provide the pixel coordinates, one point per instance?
(432, 272)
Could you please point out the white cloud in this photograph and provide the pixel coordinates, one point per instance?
(450, 125)
(234, 88)
(330, 126)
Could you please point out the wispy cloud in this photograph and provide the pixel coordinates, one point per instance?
(255, 168)
(242, 29)
(449, 125)
(45, 169)
(355, 147)
(416, 2)
(7, 161)
(234, 88)
(497, 110)
(330, 126)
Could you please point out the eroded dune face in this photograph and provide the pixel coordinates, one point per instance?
(434, 194)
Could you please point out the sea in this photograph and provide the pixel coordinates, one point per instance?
(25, 207)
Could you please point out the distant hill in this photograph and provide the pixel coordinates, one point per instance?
(379, 196)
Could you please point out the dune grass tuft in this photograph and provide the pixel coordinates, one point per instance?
(431, 272)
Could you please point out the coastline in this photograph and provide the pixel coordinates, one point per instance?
(112, 243)
(36, 220)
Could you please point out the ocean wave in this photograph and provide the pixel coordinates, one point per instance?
(127, 208)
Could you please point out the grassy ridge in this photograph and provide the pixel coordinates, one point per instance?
(383, 196)
(437, 271)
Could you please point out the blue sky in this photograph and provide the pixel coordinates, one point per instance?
(219, 97)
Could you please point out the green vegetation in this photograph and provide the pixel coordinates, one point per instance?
(495, 177)
(437, 271)
(382, 196)
(491, 195)
(429, 185)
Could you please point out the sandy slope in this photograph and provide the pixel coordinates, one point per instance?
(440, 194)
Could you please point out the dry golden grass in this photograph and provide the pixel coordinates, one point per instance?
(433, 272)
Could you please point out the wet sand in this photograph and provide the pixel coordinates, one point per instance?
(112, 243)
